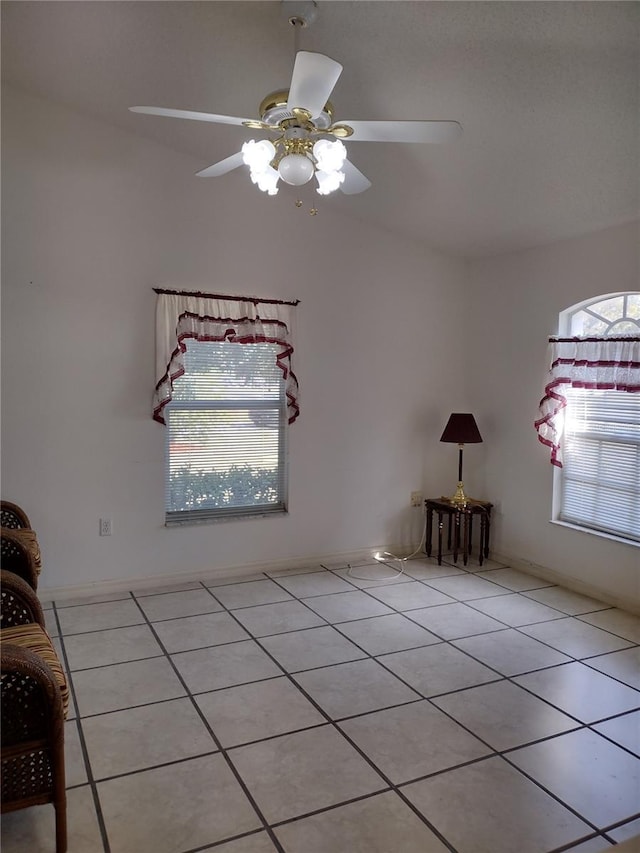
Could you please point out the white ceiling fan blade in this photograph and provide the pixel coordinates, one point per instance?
(189, 114)
(403, 131)
(313, 79)
(221, 168)
(354, 181)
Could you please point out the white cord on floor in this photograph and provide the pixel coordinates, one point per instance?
(379, 558)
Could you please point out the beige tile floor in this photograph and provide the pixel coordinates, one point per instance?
(330, 710)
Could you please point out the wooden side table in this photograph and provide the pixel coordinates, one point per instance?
(460, 527)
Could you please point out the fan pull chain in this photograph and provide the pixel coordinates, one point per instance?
(313, 211)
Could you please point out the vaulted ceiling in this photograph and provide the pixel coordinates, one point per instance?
(547, 94)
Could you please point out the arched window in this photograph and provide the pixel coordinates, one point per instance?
(591, 415)
(603, 317)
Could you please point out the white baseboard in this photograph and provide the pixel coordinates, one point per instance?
(572, 583)
(237, 572)
(232, 572)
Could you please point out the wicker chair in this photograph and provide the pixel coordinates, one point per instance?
(20, 553)
(19, 549)
(13, 516)
(33, 698)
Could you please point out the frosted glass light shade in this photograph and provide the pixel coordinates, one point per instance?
(267, 180)
(296, 169)
(328, 182)
(258, 155)
(330, 155)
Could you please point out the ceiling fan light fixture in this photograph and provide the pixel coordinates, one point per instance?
(328, 182)
(330, 155)
(258, 155)
(266, 180)
(301, 114)
(296, 169)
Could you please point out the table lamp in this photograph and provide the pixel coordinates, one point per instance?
(461, 429)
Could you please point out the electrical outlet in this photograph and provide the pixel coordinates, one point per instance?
(416, 498)
(105, 527)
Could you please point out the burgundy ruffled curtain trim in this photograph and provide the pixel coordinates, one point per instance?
(254, 322)
(607, 364)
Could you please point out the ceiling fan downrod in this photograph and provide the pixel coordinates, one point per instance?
(299, 14)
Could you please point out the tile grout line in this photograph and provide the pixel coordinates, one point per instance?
(467, 602)
(367, 656)
(83, 745)
(342, 734)
(336, 626)
(230, 840)
(477, 660)
(216, 741)
(494, 752)
(504, 753)
(580, 725)
(519, 630)
(567, 848)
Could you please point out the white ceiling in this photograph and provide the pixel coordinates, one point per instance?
(547, 93)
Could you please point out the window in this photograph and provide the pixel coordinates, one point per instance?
(600, 480)
(597, 483)
(226, 395)
(225, 439)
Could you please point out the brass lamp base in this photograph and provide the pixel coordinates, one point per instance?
(459, 499)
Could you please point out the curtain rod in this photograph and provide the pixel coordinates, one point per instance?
(254, 299)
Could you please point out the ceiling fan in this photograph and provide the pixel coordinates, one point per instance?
(306, 141)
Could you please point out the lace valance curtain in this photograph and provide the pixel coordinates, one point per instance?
(208, 317)
(608, 363)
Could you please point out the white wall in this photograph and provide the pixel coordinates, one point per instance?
(93, 218)
(514, 302)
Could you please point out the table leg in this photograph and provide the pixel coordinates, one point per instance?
(456, 535)
(439, 538)
(429, 532)
(487, 532)
(466, 532)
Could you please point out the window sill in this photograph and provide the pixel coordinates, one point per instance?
(599, 533)
(240, 516)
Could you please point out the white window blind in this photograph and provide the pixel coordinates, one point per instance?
(226, 430)
(601, 474)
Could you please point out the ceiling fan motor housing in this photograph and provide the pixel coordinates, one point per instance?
(273, 111)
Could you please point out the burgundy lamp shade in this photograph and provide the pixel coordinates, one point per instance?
(461, 428)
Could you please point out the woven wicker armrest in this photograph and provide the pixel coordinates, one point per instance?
(11, 515)
(31, 698)
(19, 604)
(18, 556)
(32, 735)
(34, 638)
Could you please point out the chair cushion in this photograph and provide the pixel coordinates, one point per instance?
(36, 639)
